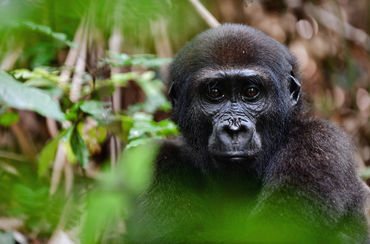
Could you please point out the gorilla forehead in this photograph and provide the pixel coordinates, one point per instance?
(232, 46)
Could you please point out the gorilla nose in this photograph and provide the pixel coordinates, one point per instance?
(235, 128)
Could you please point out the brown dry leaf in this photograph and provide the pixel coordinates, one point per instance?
(304, 29)
(362, 99)
(339, 96)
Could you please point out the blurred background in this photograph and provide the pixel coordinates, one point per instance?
(83, 89)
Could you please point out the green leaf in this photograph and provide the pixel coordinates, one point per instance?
(79, 148)
(153, 91)
(40, 82)
(48, 31)
(47, 155)
(143, 60)
(98, 110)
(7, 238)
(8, 118)
(137, 165)
(145, 127)
(17, 95)
(122, 79)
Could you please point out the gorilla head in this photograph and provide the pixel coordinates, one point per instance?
(233, 93)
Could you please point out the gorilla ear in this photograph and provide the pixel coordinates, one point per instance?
(294, 89)
(173, 94)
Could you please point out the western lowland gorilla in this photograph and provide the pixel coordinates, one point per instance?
(252, 165)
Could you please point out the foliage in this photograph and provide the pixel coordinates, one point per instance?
(16, 95)
(144, 60)
(37, 91)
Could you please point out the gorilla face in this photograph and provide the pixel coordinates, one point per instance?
(232, 108)
(233, 100)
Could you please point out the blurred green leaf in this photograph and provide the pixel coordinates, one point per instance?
(145, 127)
(41, 82)
(7, 238)
(143, 60)
(17, 95)
(122, 79)
(30, 199)
(79, 147)
(48, 31)
(8, 118)
(40, 77)
(102, 208)
(47, 155)
(101, 111)
(111, 202)
(137, 166)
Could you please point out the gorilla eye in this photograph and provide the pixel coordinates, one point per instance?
(215, 94)
(251, 93)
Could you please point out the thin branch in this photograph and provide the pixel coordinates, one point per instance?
(72, 56)
(10, 58)
(80, 67)
(115, 46)
(52, 127)
(60, 160)
(161, 39)
(333, 23)
(68, 177)
(206, 15)
(12, 156)
(24, 141)
(113, 150)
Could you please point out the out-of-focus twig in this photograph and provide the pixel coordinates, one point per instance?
(10, 58)
(162, 43)
(80, 66)
(12, 156)
(161, 40)
(333, 23)
(60, 160)
(206, 15)
(115, 46)
(69, 177)
(52, 127)
(24, 141)
(68, 170)
(72, 56)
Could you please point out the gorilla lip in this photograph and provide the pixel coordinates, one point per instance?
(235, 155)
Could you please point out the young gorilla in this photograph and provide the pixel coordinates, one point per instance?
(252, 165)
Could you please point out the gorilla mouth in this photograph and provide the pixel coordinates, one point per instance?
(234, 155)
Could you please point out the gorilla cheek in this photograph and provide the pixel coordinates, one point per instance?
(197, 127)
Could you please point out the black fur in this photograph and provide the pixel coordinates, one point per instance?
(292, 181)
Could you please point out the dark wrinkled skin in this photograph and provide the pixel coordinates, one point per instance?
(248, 168)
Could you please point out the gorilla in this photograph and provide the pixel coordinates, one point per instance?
(252, 165)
